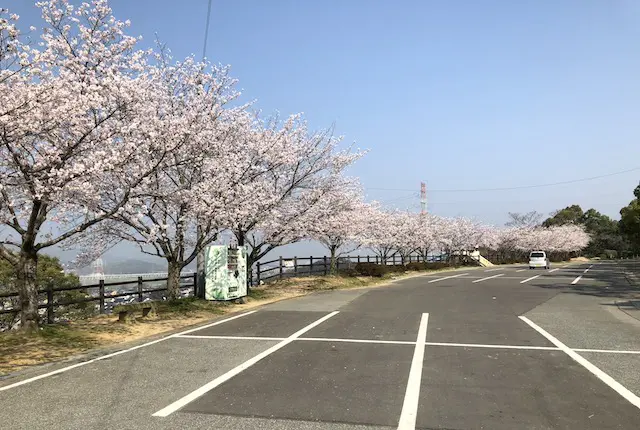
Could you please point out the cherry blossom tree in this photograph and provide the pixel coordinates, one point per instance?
(379, 232)
(338, 220)
(187, 110)
(309, 167)
(71, 144)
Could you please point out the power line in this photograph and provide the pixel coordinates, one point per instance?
(206, 32)
(515, 188)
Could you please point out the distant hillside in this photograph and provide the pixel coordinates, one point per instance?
(127, 266)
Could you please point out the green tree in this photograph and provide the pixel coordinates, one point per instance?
(605, 232)
(49, 273)
(630, 221)
(570, 215)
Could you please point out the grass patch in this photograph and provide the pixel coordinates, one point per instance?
(51, 343)
(175, 308)
(260, 293)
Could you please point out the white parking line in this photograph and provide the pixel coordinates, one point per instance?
(575, 281)
(490, 277)
(521, 270)
(447, 277)
(528, 279)
(409, 412)
(402, 342)
(104, 357)
(607, 351)
(166, 411)
(587, 269)
(493, 270)
(553, 270)
(197, 336)
(387, 342)
(478, 345)
(619, 388)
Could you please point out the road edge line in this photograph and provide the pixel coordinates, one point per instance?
(113, 354)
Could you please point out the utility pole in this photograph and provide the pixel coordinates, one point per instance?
(423, 197)
(200, 255)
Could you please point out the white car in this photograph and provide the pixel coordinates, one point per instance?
(538, 259)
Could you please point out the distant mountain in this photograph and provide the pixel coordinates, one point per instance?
(128, 266)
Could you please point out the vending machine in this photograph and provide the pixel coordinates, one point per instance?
(225, 270)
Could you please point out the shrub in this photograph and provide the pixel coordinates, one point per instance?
(437, 265)
(396, 268)
(415, 266)
(349, 272)
(371, 269)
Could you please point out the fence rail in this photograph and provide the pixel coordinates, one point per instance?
(104, 294)
(105, 299)
(307, 266)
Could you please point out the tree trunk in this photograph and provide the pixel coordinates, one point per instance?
(333, 265)
(173, 281)
(28, 289)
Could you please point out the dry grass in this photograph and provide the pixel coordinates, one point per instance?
(579, 259)
(56, 342)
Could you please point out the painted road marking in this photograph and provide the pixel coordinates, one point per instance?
(619, 388)
(521, 270)
(236, 370)
(553, 270)
(104, 357)
(409, 412)
(587, 269)
(383, 342)
(606, 351)
(490, 277)
(479, 345)
(492, 270)
(403, 342)
(528, 279)
(447, 277)
(575, 281)
(202, 336)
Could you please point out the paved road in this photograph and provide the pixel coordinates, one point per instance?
(503, 348)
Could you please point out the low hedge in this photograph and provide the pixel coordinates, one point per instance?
(371, 269)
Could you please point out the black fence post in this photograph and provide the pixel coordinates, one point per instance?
(310, 265)
(358, 259)
(281, 267)
(376, 259)
(101, 288)
(139, 288)
(325, 265)
(50, 303)
(258, 273)
(195, 284)
(295, 266)
(368, 259)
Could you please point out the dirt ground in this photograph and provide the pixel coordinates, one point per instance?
(60, 341)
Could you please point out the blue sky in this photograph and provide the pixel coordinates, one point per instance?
(460, 94)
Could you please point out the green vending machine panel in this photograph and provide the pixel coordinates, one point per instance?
(225, 271)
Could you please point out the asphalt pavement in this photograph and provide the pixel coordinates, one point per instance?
(499, 348)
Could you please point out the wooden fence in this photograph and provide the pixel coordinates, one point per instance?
(97, 293)
(309, 266)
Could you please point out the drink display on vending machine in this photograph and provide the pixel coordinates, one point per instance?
(225, 270)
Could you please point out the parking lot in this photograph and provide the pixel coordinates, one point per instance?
(499, 348)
